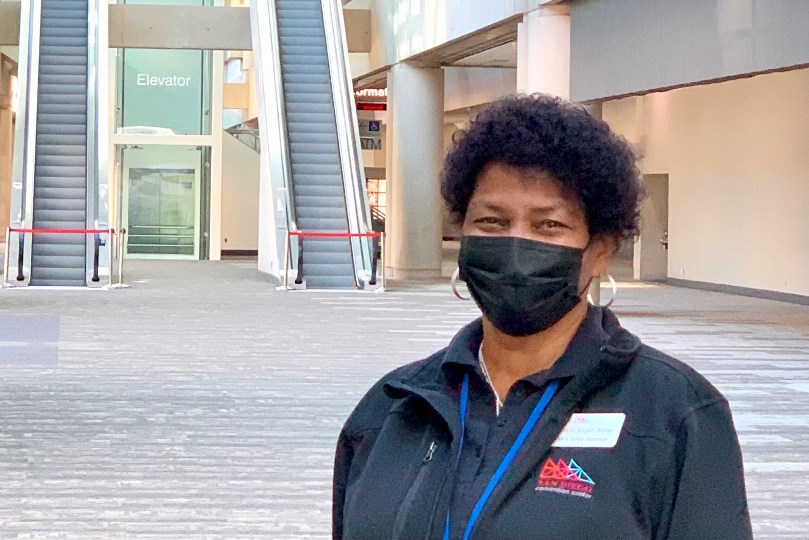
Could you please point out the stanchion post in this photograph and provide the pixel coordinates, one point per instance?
(382, 257)
(5, 257)
(121, 249)
(96, 256)
(20, 256)
(286, 260)
(110, 252)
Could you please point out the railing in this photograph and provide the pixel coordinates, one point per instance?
(278, 88)
(247, 136)
(272, 117)
(97, 112)
(111, 245)
(358, 213)
(378, 254)
(26, 130)
(377, 219)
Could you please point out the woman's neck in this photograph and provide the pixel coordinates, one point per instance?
(509, 358)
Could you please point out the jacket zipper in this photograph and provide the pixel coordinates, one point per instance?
(439, 496)
(414, 490)
(430, 452)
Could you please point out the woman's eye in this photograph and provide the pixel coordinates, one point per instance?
(489, 221)
(550, 224)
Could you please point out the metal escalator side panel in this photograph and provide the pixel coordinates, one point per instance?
(358, 209)
(276, 210)
(97, 143)
(22, 191)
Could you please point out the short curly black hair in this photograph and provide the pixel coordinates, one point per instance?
(543, 132)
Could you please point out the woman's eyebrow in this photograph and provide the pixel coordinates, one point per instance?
(549, 208)
(486, 205)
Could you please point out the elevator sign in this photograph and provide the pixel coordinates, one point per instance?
(145, 79)
(163, 89)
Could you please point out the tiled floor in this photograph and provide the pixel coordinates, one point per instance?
(204, 403)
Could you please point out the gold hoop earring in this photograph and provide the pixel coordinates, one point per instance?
(454, 284)
(614, 292)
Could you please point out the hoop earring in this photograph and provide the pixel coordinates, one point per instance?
(454, 284)
(614, 292)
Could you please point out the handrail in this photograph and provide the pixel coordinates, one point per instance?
(357, 212)
(276, 168)
(26, 131)
(97, 144)
(252, 134)
(286, 164)
(377, 219)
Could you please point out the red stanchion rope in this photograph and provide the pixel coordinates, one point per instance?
(60, 231)
(323, 234)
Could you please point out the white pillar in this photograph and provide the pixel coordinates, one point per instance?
(414, 155)
(215, 164)
(543, 51)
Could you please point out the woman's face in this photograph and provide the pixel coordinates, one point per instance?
(529, 203)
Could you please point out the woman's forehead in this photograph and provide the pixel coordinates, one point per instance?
(506, 186)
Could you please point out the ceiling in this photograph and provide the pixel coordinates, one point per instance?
(492, 46)
(502, 56)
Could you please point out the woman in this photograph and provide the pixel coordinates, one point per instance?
(544, 419)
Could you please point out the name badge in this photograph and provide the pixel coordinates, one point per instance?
(591, 430)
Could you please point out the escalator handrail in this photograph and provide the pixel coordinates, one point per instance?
(273, 45)
(357, 210)
(26, 129)
(29, 89)
(97, 118)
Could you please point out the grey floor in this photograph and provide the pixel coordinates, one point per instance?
(204, 403)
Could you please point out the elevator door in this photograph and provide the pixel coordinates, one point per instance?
(161, 201)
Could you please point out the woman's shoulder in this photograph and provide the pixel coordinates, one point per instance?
(662, 393)
(670, 376)
(374, 406)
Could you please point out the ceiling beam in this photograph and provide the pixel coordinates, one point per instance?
(486, 38)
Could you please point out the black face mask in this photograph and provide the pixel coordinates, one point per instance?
(522, 286)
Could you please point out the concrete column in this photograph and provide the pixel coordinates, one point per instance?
(413, 162)
(543, 51)
(215, 170)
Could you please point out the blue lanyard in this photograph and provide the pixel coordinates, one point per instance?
(501, 469)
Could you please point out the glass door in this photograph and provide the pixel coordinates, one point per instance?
(161, 200)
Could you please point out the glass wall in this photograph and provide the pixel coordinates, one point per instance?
(164, 92)
(169, 2)
(163, 106)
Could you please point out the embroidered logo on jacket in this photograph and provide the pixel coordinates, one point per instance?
(566, 478)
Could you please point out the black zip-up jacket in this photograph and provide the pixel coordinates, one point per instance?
(675, 472)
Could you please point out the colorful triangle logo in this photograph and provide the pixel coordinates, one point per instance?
(560, 470)
(580, 474)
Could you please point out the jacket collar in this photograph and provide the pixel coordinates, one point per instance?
(600, 351)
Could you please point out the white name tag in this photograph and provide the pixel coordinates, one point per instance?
(591, 430)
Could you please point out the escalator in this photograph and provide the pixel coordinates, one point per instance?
(59, 144)
(301, 47)
(60, 172)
